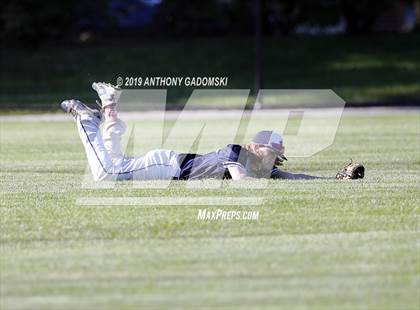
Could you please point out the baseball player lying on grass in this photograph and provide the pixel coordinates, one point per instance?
(258, 159)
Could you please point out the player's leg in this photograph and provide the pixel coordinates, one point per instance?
(113, 128)
(157, 164)
(154, 165)
(88, 121)
(108, 94)
(112, 131)
(105, 156)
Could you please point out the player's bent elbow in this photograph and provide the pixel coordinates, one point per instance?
(241, 177)
(98, 177)
(237, 173)
(237, 177)
(101, 176)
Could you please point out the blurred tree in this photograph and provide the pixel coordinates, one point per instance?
(184, 17)
(361, 15)
(30, 23)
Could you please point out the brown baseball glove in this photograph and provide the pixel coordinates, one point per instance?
(351, 171)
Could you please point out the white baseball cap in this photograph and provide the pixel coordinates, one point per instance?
(270, 139)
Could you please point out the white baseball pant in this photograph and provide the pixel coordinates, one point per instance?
(107, 161)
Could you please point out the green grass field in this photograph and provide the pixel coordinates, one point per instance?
(322, 244)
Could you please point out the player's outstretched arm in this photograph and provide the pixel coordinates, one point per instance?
(351, 171)
(238, 173)
(279, 174)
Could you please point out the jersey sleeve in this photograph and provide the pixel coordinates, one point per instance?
(232, 157)
(229, 164)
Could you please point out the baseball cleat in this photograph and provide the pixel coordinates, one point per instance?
(76, 107)
(108, 93)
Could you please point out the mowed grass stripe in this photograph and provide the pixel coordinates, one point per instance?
(322, 244)
(339, 266)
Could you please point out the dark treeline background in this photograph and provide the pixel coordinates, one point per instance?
(31, 23)
(366, 51)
